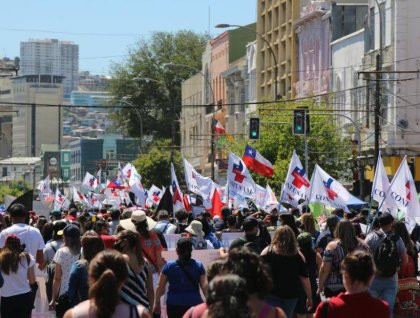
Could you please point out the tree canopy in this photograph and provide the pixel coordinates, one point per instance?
(326, 146)
(146, 88)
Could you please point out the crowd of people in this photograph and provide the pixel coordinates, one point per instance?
(109, 263)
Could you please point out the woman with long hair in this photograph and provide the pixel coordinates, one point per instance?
(358, 272)
(17, 269)
(64, 259)
(289, 220)
(78, 281)
(288, 270)
(308, 225)
(107, 273)
(185, 277)
(345, 241)
(138, 288)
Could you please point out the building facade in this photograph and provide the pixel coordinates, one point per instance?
(52, 57)
(33, 96)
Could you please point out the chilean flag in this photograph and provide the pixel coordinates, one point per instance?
(257, 163)
(218, 128)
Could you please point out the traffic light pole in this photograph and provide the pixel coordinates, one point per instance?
(306, 148)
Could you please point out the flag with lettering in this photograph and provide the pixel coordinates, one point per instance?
(257, 163)
(239, 178)
(381, 186)
(403, 193)
(327, 190)
(177, 197)
(297, 185)
(90, 181)
(196, 183)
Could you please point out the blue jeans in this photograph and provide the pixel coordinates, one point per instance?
(287, 304)
(386, 289)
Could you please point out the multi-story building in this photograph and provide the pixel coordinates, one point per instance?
(85, 155)
(37, 117)
(52, 57)
(275, 20)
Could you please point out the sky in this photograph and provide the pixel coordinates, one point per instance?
(106, 29)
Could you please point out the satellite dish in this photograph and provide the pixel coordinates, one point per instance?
(402, 123)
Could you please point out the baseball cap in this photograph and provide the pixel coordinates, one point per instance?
(385, 219)
(71, 230)
(59, 227)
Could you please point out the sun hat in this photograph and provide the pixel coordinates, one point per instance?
(195, 228)
(137, 216)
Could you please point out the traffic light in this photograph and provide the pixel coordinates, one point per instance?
(300, 121)
(254, 128)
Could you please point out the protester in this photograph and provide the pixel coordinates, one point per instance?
(101, 227)
(231, 224)
(138, 288)
(150, 242)
(209, 235)
(389, 255)
(252, 238)
(107, 273)
(327, 235)
(330, 279)
(64, 259)
(313, 262)
(78, 280)
(288, 219)
(227, 297)
(115, 220)
(308, 225)
(29, 236)
(185, 277)
(17, 270)
(196, 234)
(358, 272)
(288, 270)
(181, 221)
(408, 285)
(49, 252)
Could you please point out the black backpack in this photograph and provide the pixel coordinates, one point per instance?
(386, 256)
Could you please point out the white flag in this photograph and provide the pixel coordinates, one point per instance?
(236, 201)
(154, 194)
(60, 201)
(44, 188)
(239, 178)
(90, 181)
(94, 201)
(177, 197)
(126, 171)
(328, 191)
(381, 186)
(112, 197)
(270, 200)
(297, 185)
(196, 183)
(259, 196)
(79, 197)
(403, 192)
(136, 187)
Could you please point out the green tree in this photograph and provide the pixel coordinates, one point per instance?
(14, 188)
(155, 166)
(157, 100)
(326, 146)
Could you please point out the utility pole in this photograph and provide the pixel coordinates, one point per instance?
(379, 59)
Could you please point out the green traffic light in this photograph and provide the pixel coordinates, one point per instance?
(254, 134)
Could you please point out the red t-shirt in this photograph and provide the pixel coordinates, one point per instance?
(108, 240)
(354, 305)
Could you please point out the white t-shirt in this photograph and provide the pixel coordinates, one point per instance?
(66, 259)
(17, 283)
(28, 235)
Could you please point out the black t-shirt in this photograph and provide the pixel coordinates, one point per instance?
(285, 272)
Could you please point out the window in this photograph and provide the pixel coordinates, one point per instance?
(4, 172)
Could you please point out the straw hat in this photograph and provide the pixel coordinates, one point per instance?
(137, 216)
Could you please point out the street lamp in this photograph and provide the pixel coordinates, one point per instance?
(125, 101)
(212, 133)
(270, 48)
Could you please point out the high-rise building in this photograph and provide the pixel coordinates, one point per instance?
(275, 20)
(51, 57)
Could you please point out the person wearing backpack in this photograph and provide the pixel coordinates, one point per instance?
(389, 254)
